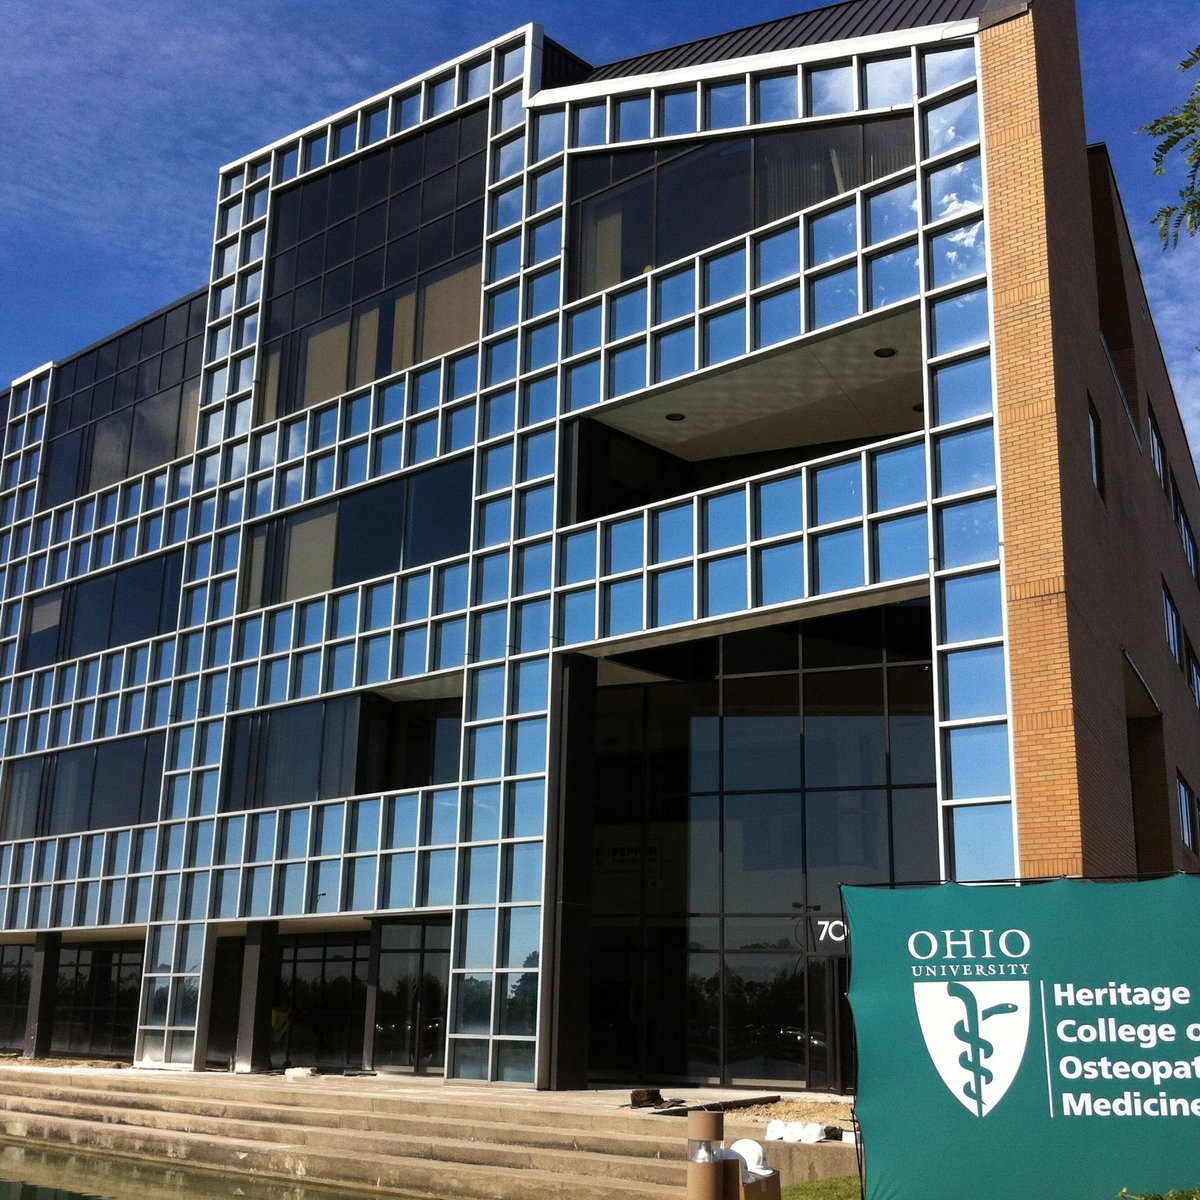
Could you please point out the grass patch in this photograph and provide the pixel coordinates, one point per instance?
(844, 1187)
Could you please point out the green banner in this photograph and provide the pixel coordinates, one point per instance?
(1036, 1041)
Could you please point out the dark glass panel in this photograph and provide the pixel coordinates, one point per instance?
(70, 797)
(437, 242)
(152, 336)
(60, 477)
(91, 615)
(846, 841)
(764, 1017)
(339, 244)
(42, 630)
(843, 640)
(760, 651)
(22, 789)
(313, 203)
(171, 367)
(714, 212)
(404, 212)
(370, 533)
(614, 236)
(441, 147)
(137, 601)
(845, 734)
(373, 179)
(761, 733)
(117, 788)
(763, 864)
(291, 767)
(472, 132)
(438, 516)
(155, 431)
(438, 195)
(907, 632)
(110, 450)
(370, 230)
(309, 260)
(287, 219)
(343, 192)
(910, 724)
(915, 835)
(468, 228)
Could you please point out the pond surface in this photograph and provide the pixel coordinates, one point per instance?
(29, 1172)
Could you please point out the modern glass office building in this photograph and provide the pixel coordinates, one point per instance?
(589, 515)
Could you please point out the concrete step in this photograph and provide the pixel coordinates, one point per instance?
(189, 1111)
(383, 1097)
(495, 1149)
(288, 1160)
(663, 1139)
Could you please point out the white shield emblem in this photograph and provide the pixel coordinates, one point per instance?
(976, 1034)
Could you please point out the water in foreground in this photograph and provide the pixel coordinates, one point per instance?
(31, 1172)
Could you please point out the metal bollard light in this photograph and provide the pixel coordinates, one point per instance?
(706, 1138)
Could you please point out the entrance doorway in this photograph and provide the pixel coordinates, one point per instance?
(410, 1004)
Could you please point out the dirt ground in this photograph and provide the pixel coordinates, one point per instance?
(823, 1112)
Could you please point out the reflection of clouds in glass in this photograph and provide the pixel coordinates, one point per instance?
(956, 189)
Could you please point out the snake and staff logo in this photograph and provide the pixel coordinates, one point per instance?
(974, 1015)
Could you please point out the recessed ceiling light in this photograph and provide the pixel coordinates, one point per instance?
(676, 417)
(885, 352)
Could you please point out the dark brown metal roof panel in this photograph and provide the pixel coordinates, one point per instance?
(834, 22)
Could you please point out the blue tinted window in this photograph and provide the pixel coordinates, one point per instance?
(944, 67)
(777, 317)
(724, 520)
(831, 235)
(675, 295)
(724, 336)
(956, 189)
(725, 277)
(781, 573)
(777, 256)
(837, 493)
(968, 533)
(583, 329)
(901, 548)
(960, 321)
(781, 506)
(830, 91)
(833, 298)
(491, 637)
(624, 545)
(491, 578)
(975, 683)
(579, 557)
(838, 561)
(577, 616)
(978, 763)
(898, 477)
(957, 254)
(893, 276)
(503, 308)
(672, 596)
(672, 533)
(963, 389)
(533, 568)
(966, 461)
(891, 212)
(627, 313)
(725, 584)
(951, 124)
(981, 836)
(632, 118)
(626, 372)
(624, 606)
(589, 124)
(971, 607)
(675, 353)
(484, 753)
(677, 112)
(725, 105)
(775, 98)
(543, 293)
(887, 81)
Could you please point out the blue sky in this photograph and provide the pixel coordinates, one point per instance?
(119, 112)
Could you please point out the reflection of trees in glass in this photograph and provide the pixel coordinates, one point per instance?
(520, 1003)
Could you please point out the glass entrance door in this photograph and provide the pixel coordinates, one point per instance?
(410, 1009)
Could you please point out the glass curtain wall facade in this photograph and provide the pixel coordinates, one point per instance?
(291, 571)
